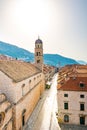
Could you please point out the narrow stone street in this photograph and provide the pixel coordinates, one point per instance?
(44, 114)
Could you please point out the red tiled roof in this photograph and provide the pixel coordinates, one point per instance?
(47, 69)
(74, 84)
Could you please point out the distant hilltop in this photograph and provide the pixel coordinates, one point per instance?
(22, 54)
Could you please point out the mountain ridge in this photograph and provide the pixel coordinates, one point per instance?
(82, 62)
(23, 54)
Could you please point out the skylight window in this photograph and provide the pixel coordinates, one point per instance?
(81, 84)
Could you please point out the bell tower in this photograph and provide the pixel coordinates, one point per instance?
(39, 53)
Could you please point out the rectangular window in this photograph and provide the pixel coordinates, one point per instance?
(82, 106)
(66, 105)
(82, 120)
(65, 95)
(81, 96)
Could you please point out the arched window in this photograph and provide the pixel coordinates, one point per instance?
(23, 117)
(36, 53)
(2, 116)
(39, 53)
(34, 78)
(29, 81)
(23, 89)
(38, 61)
(66, 118)
(29, 84)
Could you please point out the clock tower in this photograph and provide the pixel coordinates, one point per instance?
(39, 53)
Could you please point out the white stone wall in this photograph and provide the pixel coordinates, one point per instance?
(28, 103)
(23, 95)
(14, 90)
(28, 86)
(6, 87)
(74, 101)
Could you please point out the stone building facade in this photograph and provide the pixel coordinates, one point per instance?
(23, 84)
(5, 113)
(72, 98)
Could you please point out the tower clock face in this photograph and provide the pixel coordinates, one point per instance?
(2, 116)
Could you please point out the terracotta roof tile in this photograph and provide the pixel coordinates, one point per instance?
(74, 84)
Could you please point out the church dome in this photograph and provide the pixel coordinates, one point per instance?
(38, 41)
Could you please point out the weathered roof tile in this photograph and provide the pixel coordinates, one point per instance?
(18, 70)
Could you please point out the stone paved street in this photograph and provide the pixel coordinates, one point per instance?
(44, 114)
(34, 116)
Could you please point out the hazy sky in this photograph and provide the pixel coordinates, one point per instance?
(61, 24)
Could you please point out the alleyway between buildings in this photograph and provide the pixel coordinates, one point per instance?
(44, 114)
